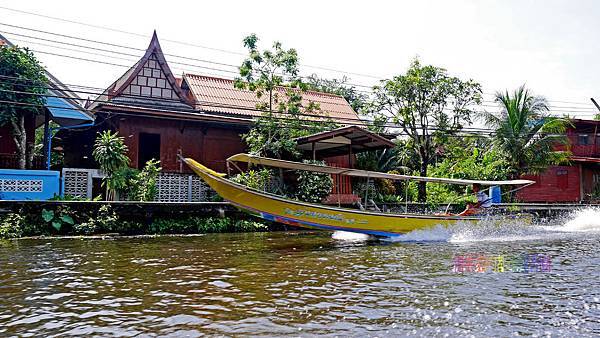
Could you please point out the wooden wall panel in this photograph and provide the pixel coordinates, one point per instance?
(557, 184)
(206, 143)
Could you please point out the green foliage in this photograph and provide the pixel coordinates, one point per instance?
(428, 105)
(11, 226)
(384, 160)
(274, 76)
(144, 182)
(595, 195)
(204, 225)
(58, 219)
(254, 179)
(242, 225)
(356, 99)
(20, 69)
(104, 220)
(471, 158)
(526, 134)
(110, 152)
(56, 158)
(313, 187)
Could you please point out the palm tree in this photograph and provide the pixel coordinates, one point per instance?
(526, 133)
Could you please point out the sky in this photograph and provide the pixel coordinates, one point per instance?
(551, 46)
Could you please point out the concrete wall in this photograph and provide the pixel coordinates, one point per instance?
(28, 184)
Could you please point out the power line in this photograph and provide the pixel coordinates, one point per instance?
(175, 41)
(157, 101)
(570, 109)
(194, 59)
(348, 120)
(315, 117)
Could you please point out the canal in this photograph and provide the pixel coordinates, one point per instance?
(495, 279)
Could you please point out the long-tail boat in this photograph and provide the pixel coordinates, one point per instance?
(311, 215)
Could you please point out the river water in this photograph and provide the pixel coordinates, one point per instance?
(309, 283)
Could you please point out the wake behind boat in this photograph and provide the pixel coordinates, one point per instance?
(310, 215)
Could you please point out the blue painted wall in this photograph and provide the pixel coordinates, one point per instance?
(28, 184)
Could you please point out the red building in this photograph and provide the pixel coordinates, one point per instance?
(578, 181)
(161, 116)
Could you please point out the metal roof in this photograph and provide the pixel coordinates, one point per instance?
(338, 141)
(219, 95)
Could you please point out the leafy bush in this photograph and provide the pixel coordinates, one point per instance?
(313, 187)
(213, 224)
(110, 152)
(11, 226)
(104, 220)
(144, 183)
(85, 228)
(204, 225)
(63, 216)
(243, 225)
(254, 179)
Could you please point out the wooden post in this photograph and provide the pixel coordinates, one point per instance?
(46, 136)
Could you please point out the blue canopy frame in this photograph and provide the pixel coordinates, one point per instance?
(68, 116)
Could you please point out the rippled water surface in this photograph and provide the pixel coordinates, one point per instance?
(303, 284)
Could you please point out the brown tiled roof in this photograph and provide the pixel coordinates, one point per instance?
(217, 95)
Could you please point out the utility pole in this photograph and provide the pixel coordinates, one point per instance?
(595, 103)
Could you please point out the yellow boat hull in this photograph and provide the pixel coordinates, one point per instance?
(297, 213)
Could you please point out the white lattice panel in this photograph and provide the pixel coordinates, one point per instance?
(180, 188)
(16, 185)
(77, 182)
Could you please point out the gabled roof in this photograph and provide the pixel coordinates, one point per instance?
(148, 81)
(218, 95)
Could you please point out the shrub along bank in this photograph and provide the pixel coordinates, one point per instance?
(63, 220)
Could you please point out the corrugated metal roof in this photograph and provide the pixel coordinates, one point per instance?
(219, 95)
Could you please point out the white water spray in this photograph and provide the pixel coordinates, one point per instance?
(509, 229)
(585, 220)
(349, 236)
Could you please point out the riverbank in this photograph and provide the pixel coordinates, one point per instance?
(85, 218)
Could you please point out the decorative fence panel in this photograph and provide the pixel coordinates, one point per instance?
(171, 187)
(78, 182)
(174, 187)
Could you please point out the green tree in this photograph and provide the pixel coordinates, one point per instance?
(427, 105)
(355, 98)
(526, 133)
(22, 85)
(110, 152)
(274, 76)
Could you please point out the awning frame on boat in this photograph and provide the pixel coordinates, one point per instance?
(271, 162)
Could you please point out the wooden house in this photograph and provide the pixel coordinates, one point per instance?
(580, 180)
(162, 116)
